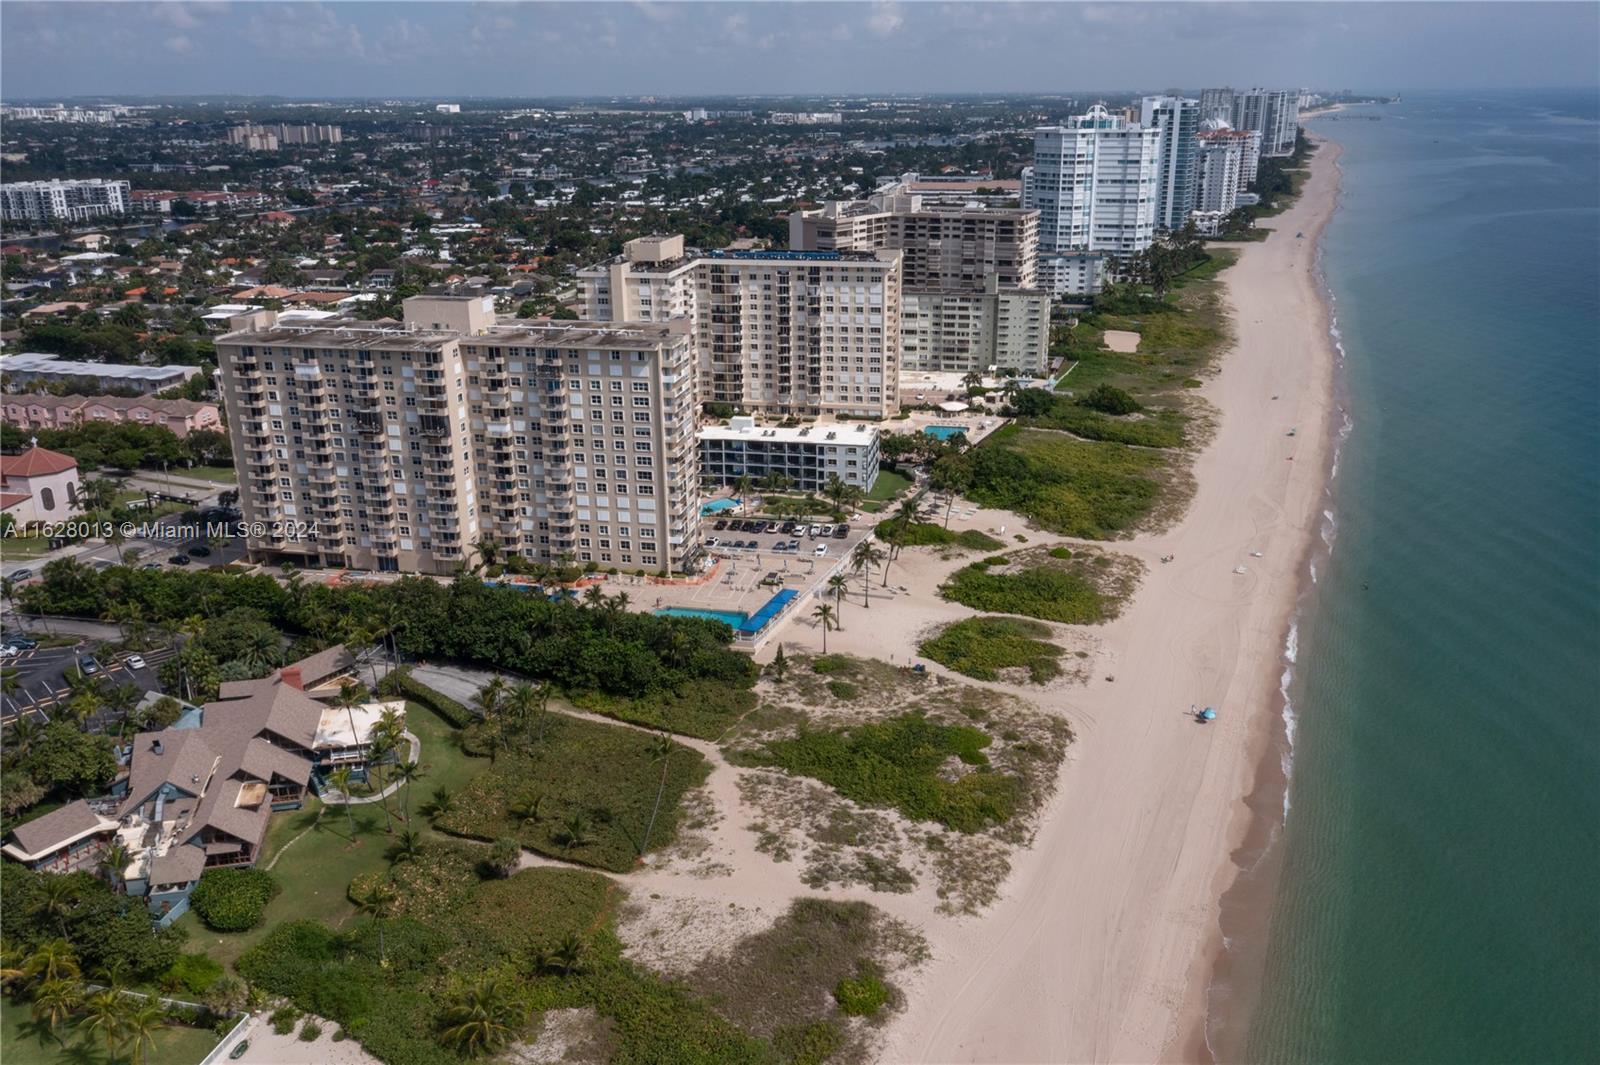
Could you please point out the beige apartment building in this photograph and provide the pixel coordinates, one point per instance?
(968, 293)
(944, 247)
(404, 448)
(798, 334)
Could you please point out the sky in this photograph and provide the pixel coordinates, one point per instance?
(442, 50)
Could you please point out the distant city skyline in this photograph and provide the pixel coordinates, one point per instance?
(411, 50)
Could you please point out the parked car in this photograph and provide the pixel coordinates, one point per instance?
(20, 642)
(20, 575)
(788, 528)
(811, 530)
(88, 666)
(199, 550)
(772, 527)
(794, 545)
(720, 523)
(712, 541)
(9, 650)
(822, 549)
(179, 560)
(134, 662)
(841, 531)
(151, 565)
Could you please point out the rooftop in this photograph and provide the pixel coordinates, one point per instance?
(846, 433)
(37, 362)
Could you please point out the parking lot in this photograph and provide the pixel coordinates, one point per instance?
(43, 672)
(783, 540)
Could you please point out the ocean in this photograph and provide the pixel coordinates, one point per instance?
(1438, 897)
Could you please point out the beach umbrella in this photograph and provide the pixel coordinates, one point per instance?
(1209, 714)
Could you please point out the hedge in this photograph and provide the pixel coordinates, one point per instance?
(232, 900)
(455, 713)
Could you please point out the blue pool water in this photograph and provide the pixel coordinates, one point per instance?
(733, 618)
(744, 624)
(945, 432)
(717, 506)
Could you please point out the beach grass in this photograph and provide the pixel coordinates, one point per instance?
(988, 648)
(931, 534)
(888, 485)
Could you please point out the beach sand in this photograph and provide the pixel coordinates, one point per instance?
(1103, 943)
(1123, 340)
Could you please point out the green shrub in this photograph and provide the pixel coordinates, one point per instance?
(283, 1019)
(403, 683)
(843, 689)
(1073, 487)
(1108, 399)
(1061, 552)
(1048, 592)
(861, 995)
(232, 900)
(702, 709)
(830, 664)
(191, 974)
(310, 1031)
(929, 534)
(982, 647)
(899, 763)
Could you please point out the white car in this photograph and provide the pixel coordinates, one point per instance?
(822, 549)
(812, 530)
(8, 651)
(134, 662)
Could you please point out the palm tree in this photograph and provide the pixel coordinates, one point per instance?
(340, 779)
(140, 1028)
(441, 803)
(574, 833)
(824, 614)
(528, 807)
(661, 749)
(866, 555)
(55, 1000)
(838, 584)
(568, 954)
(378, 903)
(407, 847)
(481, 1018)
(523, 703)
(52, 960)
(489, 696)
(487, 550)
(405, 772)
(594, 596)
(105, 1012)
(57, 896)
(114, 861)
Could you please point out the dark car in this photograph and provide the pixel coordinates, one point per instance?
(199, 550)
(788, 528)
(20, 642)
(841, 531)
(151, 565)
(720, 523)
(179, 560)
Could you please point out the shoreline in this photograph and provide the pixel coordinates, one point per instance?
(1107, 936)
(1226, 988)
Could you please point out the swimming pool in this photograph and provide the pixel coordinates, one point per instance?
(734, 619)
(945, 432)
(717, 506)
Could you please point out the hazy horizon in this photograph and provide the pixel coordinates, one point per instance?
(309, 51)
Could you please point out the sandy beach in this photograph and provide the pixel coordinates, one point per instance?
(1102, 945)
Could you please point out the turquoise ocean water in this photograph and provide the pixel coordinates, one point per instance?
(1439, 897)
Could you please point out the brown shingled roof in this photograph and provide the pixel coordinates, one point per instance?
(44, 834)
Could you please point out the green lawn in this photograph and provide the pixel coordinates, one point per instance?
(320, 856)
(24, 546)
(23, 1042)
(219, 474)
(888, 485)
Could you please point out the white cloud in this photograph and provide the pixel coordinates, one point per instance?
(886, 18)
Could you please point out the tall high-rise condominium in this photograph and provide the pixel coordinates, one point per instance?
(68, 201)
(791, 333)
(1094, 182)
(1178, 119)
(1273, 113)
(1227, 167)
(406, 448)
(968, 299)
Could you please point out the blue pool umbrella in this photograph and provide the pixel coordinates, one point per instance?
(1209, 714)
